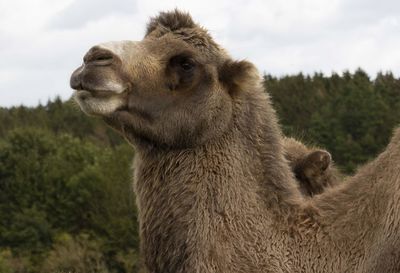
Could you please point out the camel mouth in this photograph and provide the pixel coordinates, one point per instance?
(86, 93)
(99, 102)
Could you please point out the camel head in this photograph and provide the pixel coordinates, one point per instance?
(175, 87)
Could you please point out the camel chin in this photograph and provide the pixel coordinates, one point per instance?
(102, 105)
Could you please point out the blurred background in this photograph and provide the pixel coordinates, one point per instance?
(332, 68)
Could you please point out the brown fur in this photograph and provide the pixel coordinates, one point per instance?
(313, 168)
(214, 190)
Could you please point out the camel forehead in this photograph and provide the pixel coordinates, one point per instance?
(120, 48)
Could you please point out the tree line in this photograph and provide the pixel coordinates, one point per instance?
(66, 200)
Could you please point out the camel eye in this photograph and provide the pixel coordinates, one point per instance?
(187, 65)
(182, 62)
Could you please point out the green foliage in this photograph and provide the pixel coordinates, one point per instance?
(78, 255)
(58, 117)
(351, 116)
(55, 183)
(66, 200)
(5, 261)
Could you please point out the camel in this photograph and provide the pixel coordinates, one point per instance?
(313, 167)
(214, 190)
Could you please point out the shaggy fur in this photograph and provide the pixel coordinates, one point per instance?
(313, 168)
(214, 190)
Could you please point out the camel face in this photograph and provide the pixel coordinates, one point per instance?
(169, 89)
(101, 80)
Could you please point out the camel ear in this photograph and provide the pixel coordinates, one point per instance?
(238, 75)
(172, 20)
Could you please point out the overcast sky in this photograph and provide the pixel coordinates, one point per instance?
(42, 41)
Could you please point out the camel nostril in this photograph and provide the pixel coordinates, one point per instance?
(100, 59)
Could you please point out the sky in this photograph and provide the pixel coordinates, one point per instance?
(43, 41)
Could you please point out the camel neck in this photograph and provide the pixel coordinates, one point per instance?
(246, 162)
(262, 135)
(191, 198)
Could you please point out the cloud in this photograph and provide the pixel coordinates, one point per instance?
(79, 13)
(31, 86)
